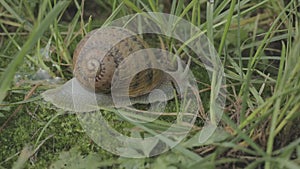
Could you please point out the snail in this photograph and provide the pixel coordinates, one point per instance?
(101, 63)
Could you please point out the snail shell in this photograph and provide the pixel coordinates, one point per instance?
(97, 68)
(99, 55)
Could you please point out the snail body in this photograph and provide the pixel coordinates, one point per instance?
(106, 59)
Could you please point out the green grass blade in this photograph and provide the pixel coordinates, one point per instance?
(224, 36)
(12, 11)
(37, 32)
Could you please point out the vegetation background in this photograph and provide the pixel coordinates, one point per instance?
(257, 40)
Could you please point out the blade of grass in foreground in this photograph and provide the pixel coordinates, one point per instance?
(245, 88)
(37, 32)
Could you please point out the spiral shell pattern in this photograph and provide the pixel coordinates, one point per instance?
(99, 54)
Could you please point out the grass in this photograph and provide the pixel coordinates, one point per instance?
(257, 42)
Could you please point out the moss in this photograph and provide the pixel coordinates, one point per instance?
(63, 133)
